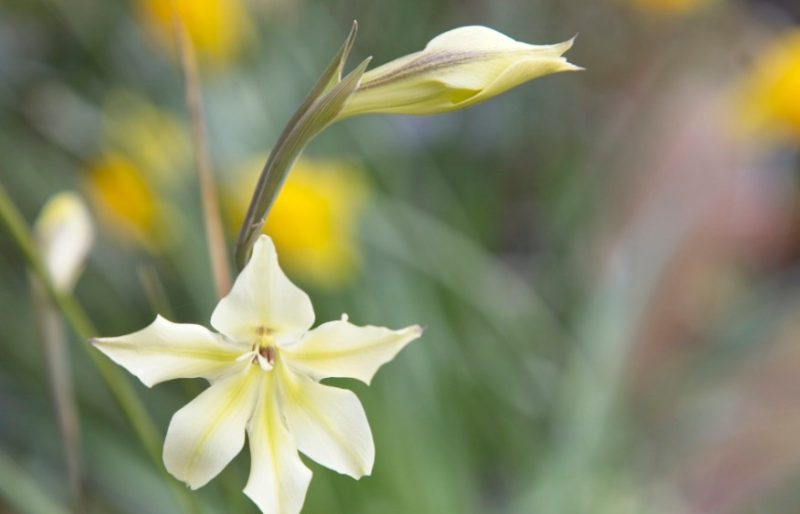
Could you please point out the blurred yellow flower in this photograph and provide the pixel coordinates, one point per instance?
(669, 7)
(154, 138)
(767, 99)
(217, 28)
(313, 220)
(145, 151)
(126, 201)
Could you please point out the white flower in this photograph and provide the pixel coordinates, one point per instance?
(64, 234)
(264, 368)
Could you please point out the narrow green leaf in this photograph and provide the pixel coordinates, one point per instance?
(21, 491)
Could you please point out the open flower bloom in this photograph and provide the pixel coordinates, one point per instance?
(64, 234)
(457, 69)
(264, 368)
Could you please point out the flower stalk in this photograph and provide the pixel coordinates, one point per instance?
(79, 322)
(64, 235)
(205, 176)
(320, 108)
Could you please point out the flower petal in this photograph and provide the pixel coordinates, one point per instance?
(64, 233)
(278, 478)
(341, 349)
(328, 424)
(456, 69)
(165, 350)
(208, 432)
(263, 297)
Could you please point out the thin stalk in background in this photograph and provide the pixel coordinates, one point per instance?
(154, 290)
(122, 391)
(205, 177)
(56, 358)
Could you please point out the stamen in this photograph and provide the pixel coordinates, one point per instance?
(268, 352)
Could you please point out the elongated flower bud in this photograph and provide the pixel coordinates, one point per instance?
(65, 233)
(457, 69)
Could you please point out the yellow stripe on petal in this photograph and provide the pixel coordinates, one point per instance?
(165, 351)
(278, 478)
(341, 349)
(208, 432)
(329, 424)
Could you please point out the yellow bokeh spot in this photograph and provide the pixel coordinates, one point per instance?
(217, 28)
(669, 7)
(767, 99)
(125, 201)
(145, 155)
(154, 138)
(314, 219)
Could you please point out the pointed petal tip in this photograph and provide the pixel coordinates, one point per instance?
(362, 473)
(416, 330)
(564, 46)
(263, 239)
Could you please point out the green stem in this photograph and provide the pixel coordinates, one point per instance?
(320, 108)
(120, 387)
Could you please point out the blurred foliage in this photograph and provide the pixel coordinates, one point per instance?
(605, 262)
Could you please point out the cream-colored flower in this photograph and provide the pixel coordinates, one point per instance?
(457, 69)
(264, 368)
(64, 234)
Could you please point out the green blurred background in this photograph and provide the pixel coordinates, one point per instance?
(607, 262)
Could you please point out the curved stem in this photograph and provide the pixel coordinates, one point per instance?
(318, 110)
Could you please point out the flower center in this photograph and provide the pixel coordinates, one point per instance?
(268, 352)
(265, 350)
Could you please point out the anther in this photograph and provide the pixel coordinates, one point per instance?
(268, 352)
